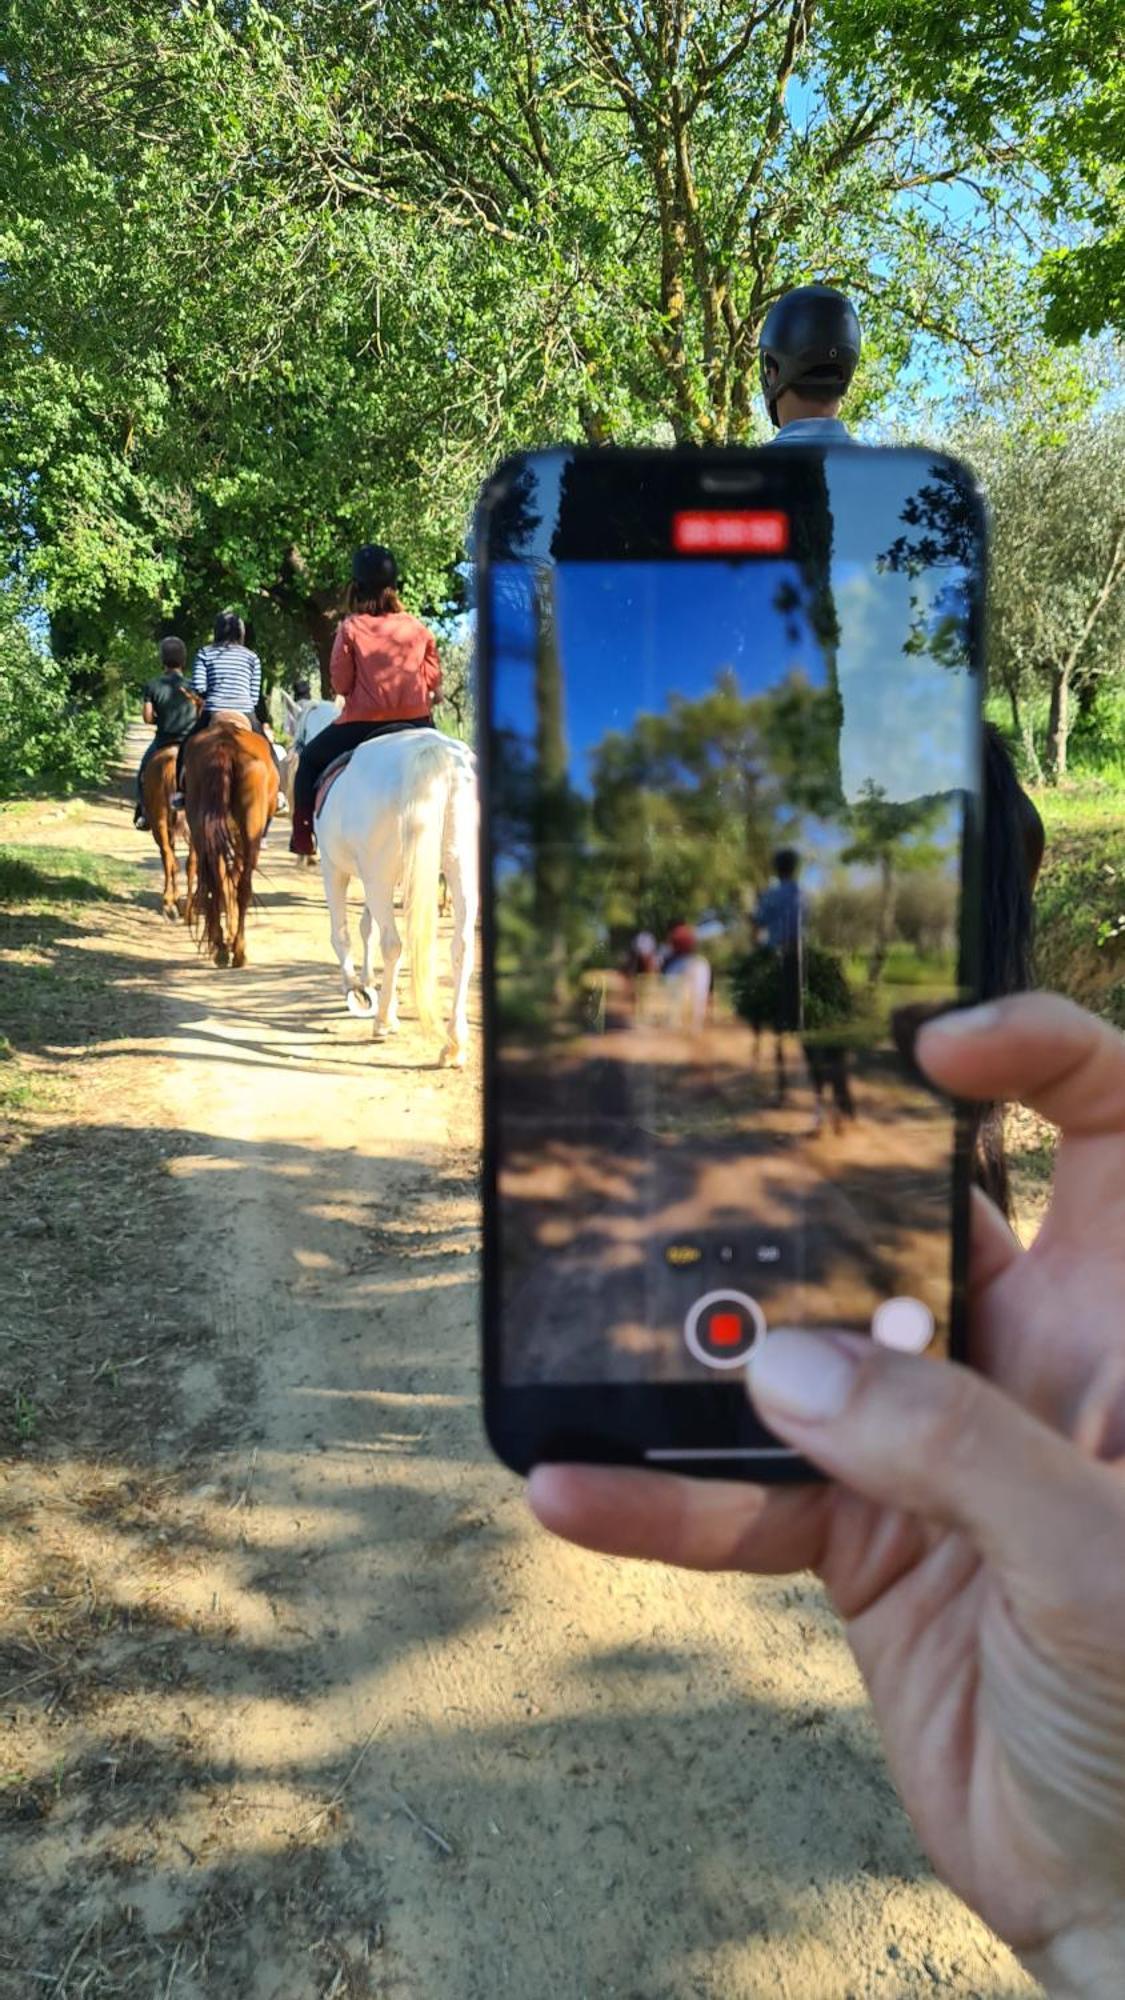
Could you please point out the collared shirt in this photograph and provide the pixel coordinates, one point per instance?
(813, 430)
(779, 914)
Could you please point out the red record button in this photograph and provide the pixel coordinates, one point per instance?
(722, 1327)
(754, 531)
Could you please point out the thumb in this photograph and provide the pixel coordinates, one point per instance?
(938, 1441)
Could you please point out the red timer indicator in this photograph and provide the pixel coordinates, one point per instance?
(753, 532)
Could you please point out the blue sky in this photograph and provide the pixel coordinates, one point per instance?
(633, 635)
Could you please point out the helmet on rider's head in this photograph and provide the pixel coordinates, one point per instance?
(810, 342)
(374, 569)
(681, 937)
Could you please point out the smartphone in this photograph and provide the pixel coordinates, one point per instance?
(731, 768)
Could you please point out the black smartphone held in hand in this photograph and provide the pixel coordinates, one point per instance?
(731, 778)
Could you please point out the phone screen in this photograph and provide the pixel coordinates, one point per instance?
(733, 773)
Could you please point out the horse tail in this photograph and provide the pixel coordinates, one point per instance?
(211, 781)
(423, 834)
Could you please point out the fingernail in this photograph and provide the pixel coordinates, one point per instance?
(963, 1021)
(801, 1375)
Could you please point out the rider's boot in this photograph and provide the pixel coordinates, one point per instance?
(301, 839)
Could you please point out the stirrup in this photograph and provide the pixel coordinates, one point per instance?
(177, 802)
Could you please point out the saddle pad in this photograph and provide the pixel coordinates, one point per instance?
(233, 717)
(328, 778)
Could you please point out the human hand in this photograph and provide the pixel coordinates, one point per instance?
(974, 1540)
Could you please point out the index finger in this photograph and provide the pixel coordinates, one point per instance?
(1035, 1049)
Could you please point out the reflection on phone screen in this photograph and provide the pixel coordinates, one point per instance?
(729, 800)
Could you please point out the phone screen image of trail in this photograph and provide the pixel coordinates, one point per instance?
(729, 814)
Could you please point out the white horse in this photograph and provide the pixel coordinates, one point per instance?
(404, 811)
(312, 717)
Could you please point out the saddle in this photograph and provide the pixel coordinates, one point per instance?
(328, 778)
(233, 718)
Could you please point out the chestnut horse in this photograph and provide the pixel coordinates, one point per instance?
(230, 793)
(166, 826)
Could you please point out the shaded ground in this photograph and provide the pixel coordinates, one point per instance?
(647, 1139)
(295, 1700)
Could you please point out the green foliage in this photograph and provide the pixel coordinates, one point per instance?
(757, 989)
(1045, 79)
(1057, 598)
(1080, 901)
(48, 738)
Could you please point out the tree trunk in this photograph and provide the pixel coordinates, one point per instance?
(1058, 727)
(1027, 735)
(321, 628)
(878, 957)
(552, 855)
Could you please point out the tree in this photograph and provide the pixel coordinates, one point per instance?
(275, 278)
(1057, 602)
(1043, 82)
(890, 837)
(684, 808)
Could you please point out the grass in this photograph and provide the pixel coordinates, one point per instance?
(51, 875)
(49, 896)
(1080, 897)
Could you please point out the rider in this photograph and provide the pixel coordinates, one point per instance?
(296, 704)
(169, 704)
(228, 676)
(807, 354)
(384, 663)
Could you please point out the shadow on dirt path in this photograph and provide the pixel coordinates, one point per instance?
(298, 1703)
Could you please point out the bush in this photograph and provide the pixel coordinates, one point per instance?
(756, 988)
(48, 740)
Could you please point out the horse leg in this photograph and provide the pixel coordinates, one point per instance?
(162, 834)
(336, 896)
(192, 884)
(383, 915)
(242, 887)
(462, 953)
(367, 937)
(460, 877)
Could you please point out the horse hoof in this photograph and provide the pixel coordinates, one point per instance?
(361, 1003)
(222, 956)
(169, 912)
(452, 1056)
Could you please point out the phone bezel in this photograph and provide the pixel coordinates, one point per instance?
(669, 1425)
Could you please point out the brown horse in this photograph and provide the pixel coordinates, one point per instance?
(167, 826)
(230, 792)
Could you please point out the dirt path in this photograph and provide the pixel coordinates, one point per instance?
(299, 1703)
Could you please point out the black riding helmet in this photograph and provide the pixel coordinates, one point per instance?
(374, 569)
(811, 337)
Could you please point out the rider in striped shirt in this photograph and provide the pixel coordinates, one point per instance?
(228, 676)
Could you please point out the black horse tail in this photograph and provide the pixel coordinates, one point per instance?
(1013, 850)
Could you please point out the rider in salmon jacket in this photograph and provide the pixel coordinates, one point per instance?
(384, 663)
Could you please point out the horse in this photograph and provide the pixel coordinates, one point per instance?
(315, 716)
(404, 810)
(230, 795)
(158, 785)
